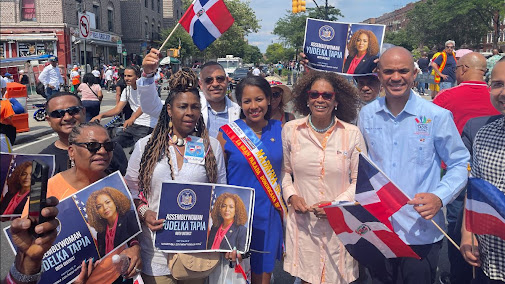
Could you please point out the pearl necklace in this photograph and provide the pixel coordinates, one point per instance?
(324, 129)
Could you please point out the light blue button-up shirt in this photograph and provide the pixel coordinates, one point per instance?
(409, 148)
(216, 120)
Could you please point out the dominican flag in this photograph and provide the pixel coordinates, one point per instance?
(206, 20)
(485, 208)
(367, 239)
(377, 193)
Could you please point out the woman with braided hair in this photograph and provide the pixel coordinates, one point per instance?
(159, 157)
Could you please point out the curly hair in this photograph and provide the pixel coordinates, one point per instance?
(184, 80)
(14, 182)
(345, 94)
(373, 43)
(240, 213)
(123, 205)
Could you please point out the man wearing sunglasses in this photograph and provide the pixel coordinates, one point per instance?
(217, 108)
(445, 66)
(64, 111)
(407, 138)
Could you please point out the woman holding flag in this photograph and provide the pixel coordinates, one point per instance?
(320, 166)
(253, 151)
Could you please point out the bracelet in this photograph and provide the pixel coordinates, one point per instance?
(148, 75)
(142, 209)
(133, 242)
(23, 278)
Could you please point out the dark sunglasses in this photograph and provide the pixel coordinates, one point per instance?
(93, 147)
(315, 95)
(219, 79)
(276, 95)
(59, 113)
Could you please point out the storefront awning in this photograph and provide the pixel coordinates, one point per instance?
(29, 37)
(20, 60)
(169, 60)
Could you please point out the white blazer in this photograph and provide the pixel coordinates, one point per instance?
(233, 109)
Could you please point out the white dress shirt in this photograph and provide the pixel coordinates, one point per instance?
(51, 76)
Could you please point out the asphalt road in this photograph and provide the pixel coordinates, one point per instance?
(34, 144)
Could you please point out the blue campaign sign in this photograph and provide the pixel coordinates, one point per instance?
(195, 212)
(347, 48)
(81, 228)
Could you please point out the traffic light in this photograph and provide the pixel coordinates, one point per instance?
(298, 6)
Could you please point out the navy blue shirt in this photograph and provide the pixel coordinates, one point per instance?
(449, 69)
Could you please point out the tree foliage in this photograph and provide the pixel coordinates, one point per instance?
(433, 22)
(291, 27)
(231, 42)
(276, 52)
(252, 54)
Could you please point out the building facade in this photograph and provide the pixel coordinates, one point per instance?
(141, 22)
(172, 12)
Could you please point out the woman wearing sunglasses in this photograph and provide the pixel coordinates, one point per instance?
(281, 96)
(320, 166)
(253, 151)
(90, 151)
(160, 157)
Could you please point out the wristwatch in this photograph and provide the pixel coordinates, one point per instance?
(23, 278)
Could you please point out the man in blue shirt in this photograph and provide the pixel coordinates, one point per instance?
(408, 137)
(446, 62)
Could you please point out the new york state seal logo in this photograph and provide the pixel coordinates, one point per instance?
(186, 199)
(326, 33)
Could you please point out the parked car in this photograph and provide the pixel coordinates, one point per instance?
(239, 74)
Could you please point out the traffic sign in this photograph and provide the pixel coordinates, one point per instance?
(119, 46)
(84, 26)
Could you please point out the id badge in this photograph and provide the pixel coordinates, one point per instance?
(195, 150)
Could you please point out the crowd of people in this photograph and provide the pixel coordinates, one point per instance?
(313, 159)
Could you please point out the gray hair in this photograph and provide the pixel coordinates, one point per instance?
(450, 41)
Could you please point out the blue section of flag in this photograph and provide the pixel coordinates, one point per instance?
(361, 213)
(483, 191)
(201, 36)
(203, 2)
(365, 172)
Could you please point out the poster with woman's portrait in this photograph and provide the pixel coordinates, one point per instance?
(93, 223)
(203, 217)
(16, 181)
(346, 48)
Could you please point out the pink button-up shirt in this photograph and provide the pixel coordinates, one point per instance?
(322, 172)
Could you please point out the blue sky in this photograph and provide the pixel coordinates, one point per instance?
(269, 11)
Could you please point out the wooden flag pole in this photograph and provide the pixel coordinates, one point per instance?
(169, 36)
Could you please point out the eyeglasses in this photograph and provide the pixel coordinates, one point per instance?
(59, 113)
(449, 46)
(315, 94)
(497, 86)
(219, 79)
(93, 147)
(276, 95)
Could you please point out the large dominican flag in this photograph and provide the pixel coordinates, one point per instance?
(206, 20)
(485, 208)
(377, 193)
(367, 239)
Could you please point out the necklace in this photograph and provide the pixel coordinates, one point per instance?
(324, 129)
(178, 141)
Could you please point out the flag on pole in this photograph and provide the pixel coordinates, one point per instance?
(206, 20)
(377, 193)
(367, 239)
(485, 209)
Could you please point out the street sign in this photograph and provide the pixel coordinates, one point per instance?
(84, 25)
(119, 47)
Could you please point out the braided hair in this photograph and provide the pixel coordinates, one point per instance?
(157, 147)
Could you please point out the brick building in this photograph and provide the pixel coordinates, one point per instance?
(172, 12)
(395, 20)
(37, 27)
(141, 21)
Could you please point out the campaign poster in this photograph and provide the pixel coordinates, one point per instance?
(83, 220)
(345, 48)
(16, 181)
(201, 217)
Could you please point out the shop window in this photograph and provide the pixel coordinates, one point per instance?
(96, 11)
(110, 19)
(28, 10)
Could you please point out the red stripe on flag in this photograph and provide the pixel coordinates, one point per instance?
(382, 213)
(484, 224)
(395, 244)
(337, 220)
(185, 21)
(392, 197)
(220, 16)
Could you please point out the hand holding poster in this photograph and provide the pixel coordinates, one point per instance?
(203, 217)
(84, 218)
(342, 47)
(16, 181)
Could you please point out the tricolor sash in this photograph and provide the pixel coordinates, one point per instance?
(256, 155)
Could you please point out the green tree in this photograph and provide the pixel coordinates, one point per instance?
(400, 38)
(291, 27)
(276, 52)
(252, 54)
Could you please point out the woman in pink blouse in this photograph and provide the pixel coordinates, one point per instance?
(325, 170)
